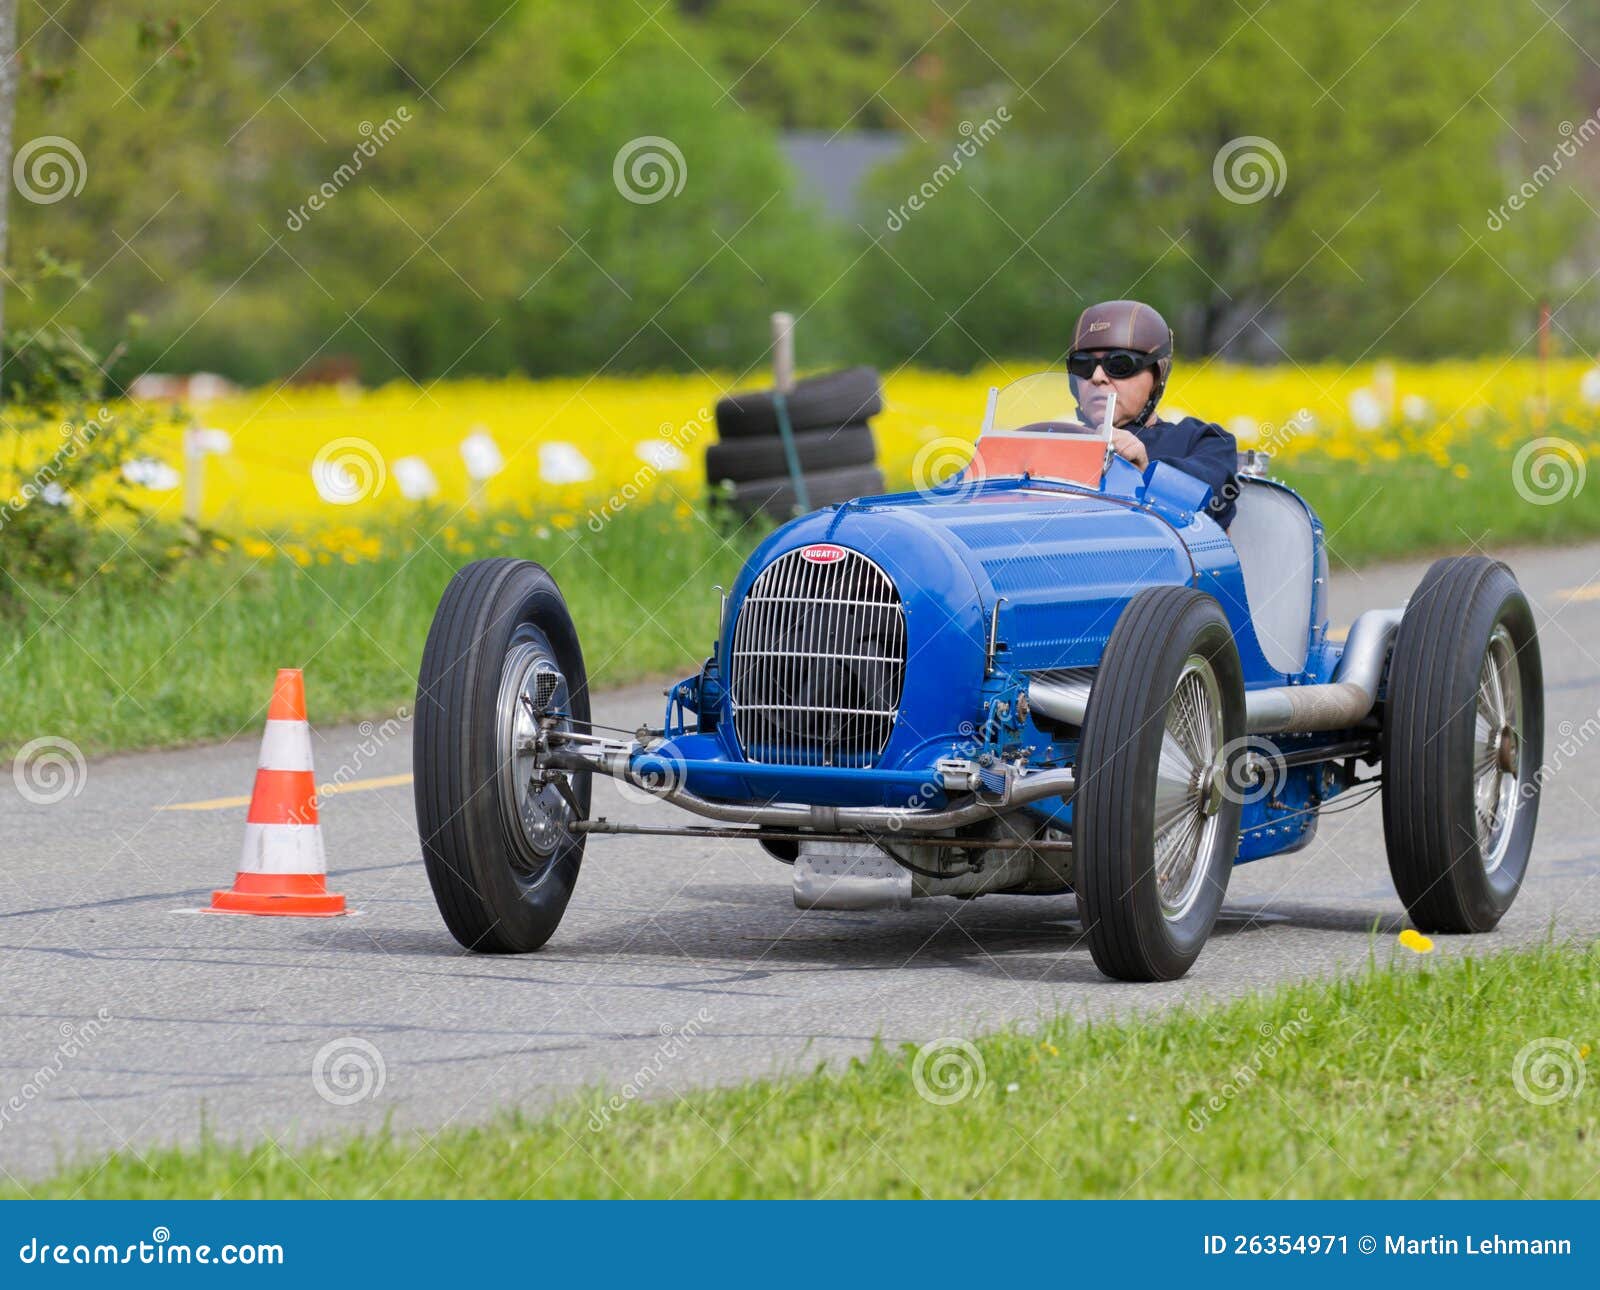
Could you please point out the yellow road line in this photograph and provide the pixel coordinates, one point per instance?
(326, 790)
(1589, 591)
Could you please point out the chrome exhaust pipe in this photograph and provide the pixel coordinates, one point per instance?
(1285, 709)
(894, 819)
(1343, 702)
(1017, 790)
(1062, 695)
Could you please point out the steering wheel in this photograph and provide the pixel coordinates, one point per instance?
(1057, 427)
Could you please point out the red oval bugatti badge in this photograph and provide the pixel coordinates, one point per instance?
(822, 553)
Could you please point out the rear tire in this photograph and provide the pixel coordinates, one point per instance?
(823, 488)
(498, 842)
(830, 399)
(741, 460)
(1154, 832)
(1463, 735)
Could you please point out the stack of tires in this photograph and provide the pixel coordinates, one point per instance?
(749, 470)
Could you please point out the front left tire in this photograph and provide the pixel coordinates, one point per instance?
(1154, 830)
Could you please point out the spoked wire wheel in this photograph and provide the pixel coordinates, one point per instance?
(1497, 735)
(1188, 787)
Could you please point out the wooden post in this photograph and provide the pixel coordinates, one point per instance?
(783, 352)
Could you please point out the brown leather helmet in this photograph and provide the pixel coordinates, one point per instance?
(1129, 324)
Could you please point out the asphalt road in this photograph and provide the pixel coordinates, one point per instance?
(126, 1016)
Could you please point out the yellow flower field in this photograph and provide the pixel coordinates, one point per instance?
(327, 459)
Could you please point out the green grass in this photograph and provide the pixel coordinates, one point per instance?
(112, 669)
(1386, 510)
(1399, 1082)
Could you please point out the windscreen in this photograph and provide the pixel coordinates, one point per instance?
(1042, 400)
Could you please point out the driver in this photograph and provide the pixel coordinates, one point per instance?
(1126, 346)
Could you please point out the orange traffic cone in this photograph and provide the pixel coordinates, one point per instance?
(283, 869)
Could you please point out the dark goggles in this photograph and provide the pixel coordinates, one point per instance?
(1119, 363)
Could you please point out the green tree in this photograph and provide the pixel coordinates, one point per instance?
(849, 64)
(1392, 131)
(275, 184)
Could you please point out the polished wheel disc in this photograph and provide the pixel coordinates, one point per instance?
(537, 812)
(1189, 782)
(1497, 745)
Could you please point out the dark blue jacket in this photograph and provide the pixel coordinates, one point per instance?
(1198, 448)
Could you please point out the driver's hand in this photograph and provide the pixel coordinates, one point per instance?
(1127, 445)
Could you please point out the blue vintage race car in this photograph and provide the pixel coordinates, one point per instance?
(1051, 672)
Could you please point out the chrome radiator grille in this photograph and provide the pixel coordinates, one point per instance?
(819, 659)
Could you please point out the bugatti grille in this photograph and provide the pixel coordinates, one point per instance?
(819, 660)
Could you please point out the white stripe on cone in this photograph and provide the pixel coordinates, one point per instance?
(285, 745)
(283, 848)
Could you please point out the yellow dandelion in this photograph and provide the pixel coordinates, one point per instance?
(1415, 940)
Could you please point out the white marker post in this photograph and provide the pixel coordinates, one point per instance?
(198, 444)
(481, 455)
